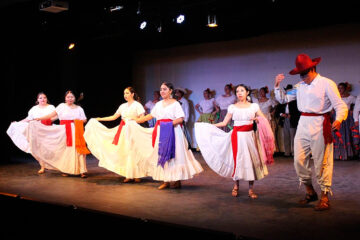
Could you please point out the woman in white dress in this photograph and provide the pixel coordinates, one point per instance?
(267, 107)
(164, 149)
(61, 147)
(237, 154)
(113, 146)
(222, 103)
(17, 130)
(149, 106)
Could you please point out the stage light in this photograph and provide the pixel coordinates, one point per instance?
(116, 8)
(212, 21)
(71, 46)
(180, 19)
(143, 25)
(159, 28)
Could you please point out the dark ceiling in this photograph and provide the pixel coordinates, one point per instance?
(92, 20)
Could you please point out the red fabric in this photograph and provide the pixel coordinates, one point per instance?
(328, 138)
(243, 128)
(47, 122)
(67, 124)
(117, 135)
(154, 133)
(80, 143)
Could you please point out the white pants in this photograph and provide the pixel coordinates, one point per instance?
(309, 140)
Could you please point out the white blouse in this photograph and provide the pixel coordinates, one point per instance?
(243, 116)
(128, 112)
(266, 106)
(207, 105)
(224, 102)
(320, 96)
(149, 105)
(349, 100)
(37, 112)
(172, 111)
(65, 112)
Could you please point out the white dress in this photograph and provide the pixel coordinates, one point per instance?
(266, 107)
(118, 158)
(48, 143)
(17, 131)
(216, 147)
(183, 166)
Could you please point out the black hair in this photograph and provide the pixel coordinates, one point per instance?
(37, 96)
(132, 90)
(169, 86)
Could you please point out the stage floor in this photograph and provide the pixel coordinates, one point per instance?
(204, 201)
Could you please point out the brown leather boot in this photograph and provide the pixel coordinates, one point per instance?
(324, 203)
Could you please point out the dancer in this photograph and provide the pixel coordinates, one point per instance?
(267, 107)
(17, 130)
(61, 147)
(238, 154)
(316, 96)
(149, 106)
(346, 144)
(164, 149)
(113, 146)
(222, 103)
(206, 108)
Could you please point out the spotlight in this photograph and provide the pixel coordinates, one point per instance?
(180, 19)
(116, 8)
(212, 21)
(159, 28)
(143, 25)
(71, 46)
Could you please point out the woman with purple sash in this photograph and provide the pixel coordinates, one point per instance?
(164, 148)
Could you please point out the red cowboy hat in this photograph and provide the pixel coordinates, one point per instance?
(303, 62)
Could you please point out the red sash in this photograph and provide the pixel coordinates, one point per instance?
(117, 135)
(67, 124)
(328, 138)
(243, 128)
(154, 133)
(47, 122)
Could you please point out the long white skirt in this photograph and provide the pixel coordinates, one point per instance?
(121, 158)
(17, 131)
(215, 146)
(47, 144)
(184, 166)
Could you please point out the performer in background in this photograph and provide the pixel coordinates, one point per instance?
(149, 106)
(346, 144)
(239, 154)
(316, 97)
(17, 131)
(113, 146)
(164, 148)
(61, 147)
(222, 103)
(267, 107)
(206, 108)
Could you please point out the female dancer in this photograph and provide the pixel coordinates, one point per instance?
(222, 103)
(239, 154)
(164, 149)
(346, 144)
(17, 130)
(62, 147)
(149, 106)
(113, 146)
(267, 107)
(206, 108)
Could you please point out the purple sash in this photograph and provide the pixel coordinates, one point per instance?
(166, 143)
